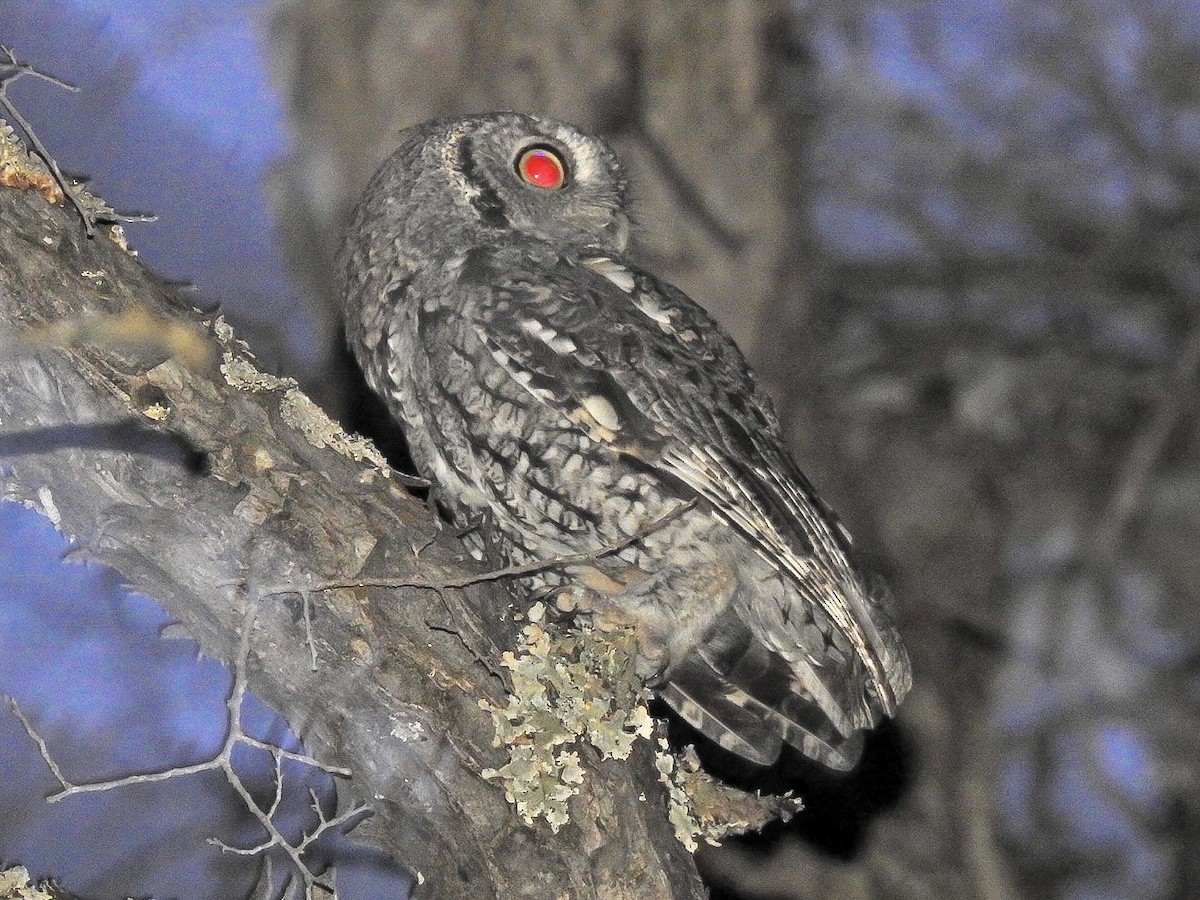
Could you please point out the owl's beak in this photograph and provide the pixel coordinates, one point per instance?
(618, 229)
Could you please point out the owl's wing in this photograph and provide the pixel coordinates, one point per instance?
(640, 367)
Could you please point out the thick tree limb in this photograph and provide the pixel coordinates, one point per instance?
(102, 439)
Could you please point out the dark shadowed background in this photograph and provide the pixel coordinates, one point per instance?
(961, 242)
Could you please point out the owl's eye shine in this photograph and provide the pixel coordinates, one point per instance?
(542, 167)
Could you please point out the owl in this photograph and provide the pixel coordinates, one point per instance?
(563, 401)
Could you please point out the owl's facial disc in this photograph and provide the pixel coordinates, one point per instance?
(544, 179)
(544, 168)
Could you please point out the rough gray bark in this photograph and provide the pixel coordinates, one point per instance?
(395, 694)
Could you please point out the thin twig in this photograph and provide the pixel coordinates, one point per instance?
(455, 607)
(514, 571)
(9, 74)
(306, 600)
(234, 705)
(689, 194)
(37, 739)
(1147, 447)
(223, 761)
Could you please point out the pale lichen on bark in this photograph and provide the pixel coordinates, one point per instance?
(577, 685)
(568, 686)
(295, 407)
(15, 884)
(700, 807)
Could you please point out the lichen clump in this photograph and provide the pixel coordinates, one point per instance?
(700, 807)
(567, 688)
(15, 885)
(295, 408)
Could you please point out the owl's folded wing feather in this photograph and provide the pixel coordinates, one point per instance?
(641, 368)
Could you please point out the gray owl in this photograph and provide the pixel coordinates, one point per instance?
(561, 399)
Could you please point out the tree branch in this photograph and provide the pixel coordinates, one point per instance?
(286, 497)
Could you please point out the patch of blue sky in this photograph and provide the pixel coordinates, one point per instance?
(1002, 235)
(216, 81)
(204, 62)
(829, 46)
(1111, 193)
(176, 116)
(1142, 601)
(1088, 890)
(944, 208)
(1029, 701)
(1185, 131)
(1153, 870)
(929, 72)
(143, 24)
(976, 127)
(974, 34)
(1143, 339)
(1094, 148)
(1185, 16)
(979, 45)
(1145, 872)
(1054, 114)
(1122, 45)
(85, 659)
(80, 651)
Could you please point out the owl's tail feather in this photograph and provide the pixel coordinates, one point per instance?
(743, 696)
(697, 693)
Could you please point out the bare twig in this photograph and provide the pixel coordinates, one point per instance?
(37, 739)
(1146, 448)
(514, 571)
(223, 761)
(689, 194)
(453, 606)
(309, 639)
(348, 819)
(11, 72)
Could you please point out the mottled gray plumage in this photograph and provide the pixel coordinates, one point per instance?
(565, 399)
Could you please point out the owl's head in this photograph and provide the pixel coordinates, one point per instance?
(457, 182)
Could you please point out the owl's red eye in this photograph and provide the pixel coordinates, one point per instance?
(542, 167)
